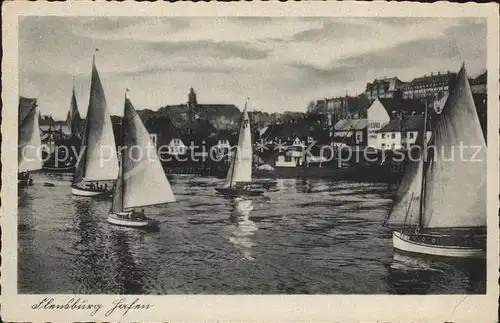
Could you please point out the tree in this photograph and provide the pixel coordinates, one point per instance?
(311, 107)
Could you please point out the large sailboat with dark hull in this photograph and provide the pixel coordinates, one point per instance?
(98, 162)
(29, 141)
(440, 207)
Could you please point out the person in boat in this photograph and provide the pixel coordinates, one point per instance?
(106, 186)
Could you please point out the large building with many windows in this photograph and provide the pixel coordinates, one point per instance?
(400, 134)
(384, 88)
(433, 86)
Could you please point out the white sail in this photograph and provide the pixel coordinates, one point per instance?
(144, 181)
(241, 166)
(407, 201)
(99, 161)
(29, 148)
(455, 190)
(228, 181)
(406, 208)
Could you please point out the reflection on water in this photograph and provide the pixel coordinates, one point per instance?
(244, 228)
(305, 237)
(410, 274)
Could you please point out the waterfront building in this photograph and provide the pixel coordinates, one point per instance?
(351, 132)
(58, 129)
(384, 88)
(429, 86)
(400, 134)
(377, 117)
(52, 133)
(286, 143)
(293, 156)
(382, 111)
(224, 141)
(287, 133)
(166, 136)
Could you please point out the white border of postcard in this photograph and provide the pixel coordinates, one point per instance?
(278, 308)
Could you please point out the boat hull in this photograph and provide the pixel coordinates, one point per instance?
(146, 223)
(80, 191)
(238, 192)
(53, 169)
(403, 243)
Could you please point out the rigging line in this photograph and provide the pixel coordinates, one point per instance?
(23, 122)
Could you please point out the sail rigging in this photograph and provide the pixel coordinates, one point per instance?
(98, 161)
(455, 178)
(117, 204)
(73, 118)
(406, 208)
(29, 147)
(241, 163)
(228, 182)
(446, 187)
(141, 180)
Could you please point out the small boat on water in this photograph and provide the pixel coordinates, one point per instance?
(239, 176)
(141, 179)
(98, 162)
(29, 139)
(441, 202)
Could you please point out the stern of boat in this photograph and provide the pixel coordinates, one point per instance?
(121, 220)
(405, 243)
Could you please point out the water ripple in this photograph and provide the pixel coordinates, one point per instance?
(307, 237)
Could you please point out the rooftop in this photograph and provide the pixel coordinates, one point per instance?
(433, 78)
(413, 123)
(410, 106)
(287, 130)
(350, 124)
(392, 83)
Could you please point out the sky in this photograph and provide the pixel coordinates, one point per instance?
(280, 63)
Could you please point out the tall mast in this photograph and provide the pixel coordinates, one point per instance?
(238, 147)
(423, 156)
(233, 160)
(122, 146)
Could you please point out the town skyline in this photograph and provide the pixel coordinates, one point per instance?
(281, 64)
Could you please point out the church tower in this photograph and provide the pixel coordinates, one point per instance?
(192, 99)
(191, 104)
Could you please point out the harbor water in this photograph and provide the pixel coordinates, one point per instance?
(305, 237)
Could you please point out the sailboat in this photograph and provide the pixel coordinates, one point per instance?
(98, 157)
(29, 141)
(73, 120)
(141, 179)
(441, 203)
(239, 176)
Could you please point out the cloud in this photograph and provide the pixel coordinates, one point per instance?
(281, 63)
(220, 49)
